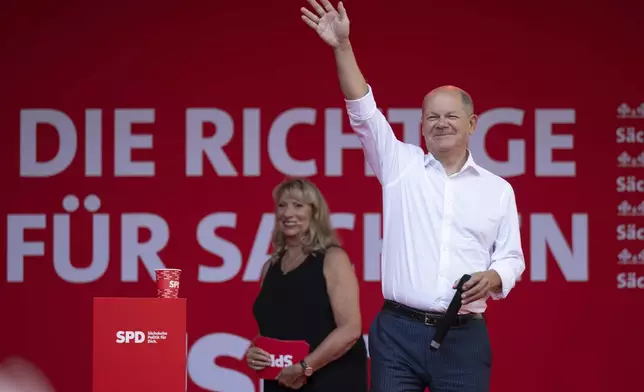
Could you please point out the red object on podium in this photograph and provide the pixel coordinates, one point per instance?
(139, 344)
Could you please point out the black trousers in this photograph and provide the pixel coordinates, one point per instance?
(402, 362)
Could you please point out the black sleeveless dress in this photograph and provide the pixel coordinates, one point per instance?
(296, 306)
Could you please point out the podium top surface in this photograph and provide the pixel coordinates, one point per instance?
(151, 299)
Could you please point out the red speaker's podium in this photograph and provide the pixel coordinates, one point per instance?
(140, 344)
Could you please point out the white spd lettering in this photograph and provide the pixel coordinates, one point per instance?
(630, 232)
(543, 230)
(630, 135)
(629, 184)
(281, 361)
(130, 336)
(208, 153)
(630, 280)
(174, 284)
(208, 373)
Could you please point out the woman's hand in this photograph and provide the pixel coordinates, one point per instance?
(292, 377)
(257, 359)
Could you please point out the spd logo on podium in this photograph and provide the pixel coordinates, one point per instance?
(138, 337)
(130, 337)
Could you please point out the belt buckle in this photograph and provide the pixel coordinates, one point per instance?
(427, 320)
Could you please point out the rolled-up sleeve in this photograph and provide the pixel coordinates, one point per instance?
(507, 258)
(380, 145)
(363, 108)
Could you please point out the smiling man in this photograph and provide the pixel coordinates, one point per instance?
(444, 216)
(448, 121)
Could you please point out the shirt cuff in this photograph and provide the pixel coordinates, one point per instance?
(362, 108)
(507, 279)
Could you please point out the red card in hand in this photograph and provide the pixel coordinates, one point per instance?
(283, 353)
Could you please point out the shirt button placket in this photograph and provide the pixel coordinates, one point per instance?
(446, 227)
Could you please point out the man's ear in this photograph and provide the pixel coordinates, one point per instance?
(473, 121)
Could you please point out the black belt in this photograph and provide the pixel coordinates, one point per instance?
(427, 318)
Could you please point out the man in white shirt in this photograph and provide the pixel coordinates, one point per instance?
(444, 216)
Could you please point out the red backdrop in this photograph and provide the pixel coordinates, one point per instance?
(227, 98)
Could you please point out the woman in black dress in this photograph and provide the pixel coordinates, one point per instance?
(309, 291)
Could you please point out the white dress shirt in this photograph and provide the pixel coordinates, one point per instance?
(436, 227)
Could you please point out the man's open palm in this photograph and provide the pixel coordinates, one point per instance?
(331, 25)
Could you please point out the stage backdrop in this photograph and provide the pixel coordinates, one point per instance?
(147, 135)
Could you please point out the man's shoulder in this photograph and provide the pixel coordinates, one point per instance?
(494, 179)
(409, 152)
(414, 149)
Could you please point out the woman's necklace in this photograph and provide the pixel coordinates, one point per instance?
(290, 265)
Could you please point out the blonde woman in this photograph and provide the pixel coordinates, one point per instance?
(309, 291)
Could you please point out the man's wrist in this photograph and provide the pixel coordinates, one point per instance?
(496, 281)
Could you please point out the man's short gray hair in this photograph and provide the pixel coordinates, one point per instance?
(468, 104)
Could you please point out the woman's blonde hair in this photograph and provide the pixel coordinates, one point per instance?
(320, 234)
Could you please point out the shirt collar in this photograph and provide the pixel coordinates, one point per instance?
(469, 163)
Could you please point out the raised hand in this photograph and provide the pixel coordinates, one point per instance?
(331, 25)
